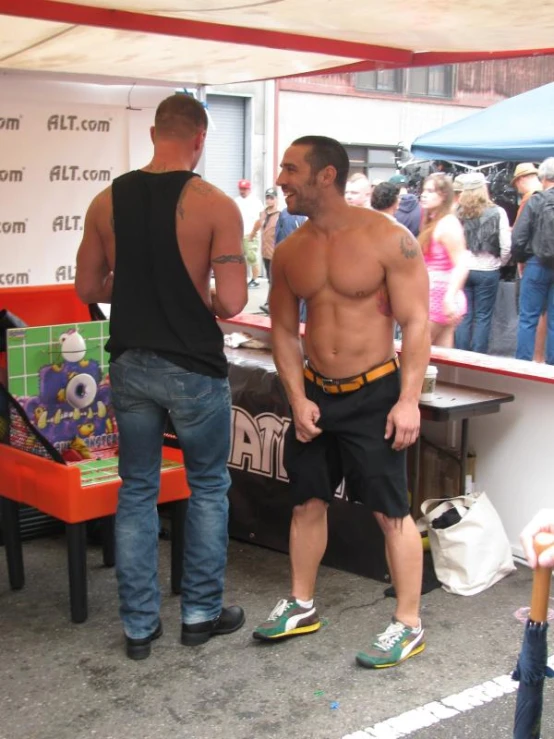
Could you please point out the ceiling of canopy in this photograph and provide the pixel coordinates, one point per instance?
(224, 41)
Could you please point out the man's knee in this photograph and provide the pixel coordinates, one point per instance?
(391, 526)
(312, 510)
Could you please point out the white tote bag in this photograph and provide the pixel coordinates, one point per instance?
(474, 553)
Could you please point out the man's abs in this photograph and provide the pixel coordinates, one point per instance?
(346, 341)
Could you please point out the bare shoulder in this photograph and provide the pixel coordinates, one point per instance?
(100, 212)
(398, 244)
(203, 190)
(101, 204)
(449, 223)
(205, 196)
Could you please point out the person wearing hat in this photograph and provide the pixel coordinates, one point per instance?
(250, 207)
(526, 182)
(457, 186)
(488, 241)
(266, 224)
(532, 244)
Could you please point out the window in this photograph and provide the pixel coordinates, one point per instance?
(429, 81)
(420, 81)
(379, 80)
(373, 161)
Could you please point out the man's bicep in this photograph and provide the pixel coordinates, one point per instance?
(227, 258)
(226, 246)
(92, 261)
(407, 279)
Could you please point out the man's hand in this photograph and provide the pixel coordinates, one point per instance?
(542, 521)
(306, 415)
(403, 420)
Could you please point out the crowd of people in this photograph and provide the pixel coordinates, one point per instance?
(466, 239)
(354, 406)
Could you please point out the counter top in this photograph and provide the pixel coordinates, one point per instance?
(506, 366)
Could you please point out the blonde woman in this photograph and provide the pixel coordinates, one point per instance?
(488, 239)
(443, 244)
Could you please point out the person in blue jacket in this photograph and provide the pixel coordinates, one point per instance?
(286, 224)
(409, 209)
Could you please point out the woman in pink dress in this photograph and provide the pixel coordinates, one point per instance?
(444, 250)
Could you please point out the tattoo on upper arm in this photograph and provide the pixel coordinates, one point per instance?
(229, 258)
(112, 223)
(409, 246)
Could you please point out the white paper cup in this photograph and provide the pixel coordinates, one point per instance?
(429, 383)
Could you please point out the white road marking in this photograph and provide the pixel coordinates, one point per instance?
(433, 713)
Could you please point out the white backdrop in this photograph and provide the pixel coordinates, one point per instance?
(54, 158)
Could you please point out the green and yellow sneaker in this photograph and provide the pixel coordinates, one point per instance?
(393, 646)
(288, 619)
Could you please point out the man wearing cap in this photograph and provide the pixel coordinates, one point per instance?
(408, 212)
(532, 243)
(266, 224)
(250, 207)
(526, 182)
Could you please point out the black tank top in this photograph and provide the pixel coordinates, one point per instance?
(155, 304)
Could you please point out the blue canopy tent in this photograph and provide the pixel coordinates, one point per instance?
(518, 129)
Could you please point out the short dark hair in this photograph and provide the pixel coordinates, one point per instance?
(326, 152)
(384, 195)
(180, 116)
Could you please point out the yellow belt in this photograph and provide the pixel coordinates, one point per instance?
(349, 384)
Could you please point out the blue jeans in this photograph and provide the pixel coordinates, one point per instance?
(145, 388)
(473, 332)
(536, 296)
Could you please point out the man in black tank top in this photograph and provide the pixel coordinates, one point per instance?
(150, 243)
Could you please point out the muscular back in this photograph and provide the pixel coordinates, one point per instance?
(353, 280)
(208, 227)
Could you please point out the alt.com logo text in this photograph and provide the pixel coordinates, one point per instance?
(10, 124)
(74, 173)
(13, 227)
(75, 123)
(14, 278)
(11, 175)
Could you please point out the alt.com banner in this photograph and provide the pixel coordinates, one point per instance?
(53, 160)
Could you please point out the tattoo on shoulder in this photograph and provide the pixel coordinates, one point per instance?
(409, 246)
(200, 187)
(229, 259)
(180, 206)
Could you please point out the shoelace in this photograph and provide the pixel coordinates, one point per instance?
(279, 609)
(390, 636)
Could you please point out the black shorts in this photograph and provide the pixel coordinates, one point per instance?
(351, 446)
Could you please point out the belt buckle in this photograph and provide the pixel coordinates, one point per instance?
(326, 381)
